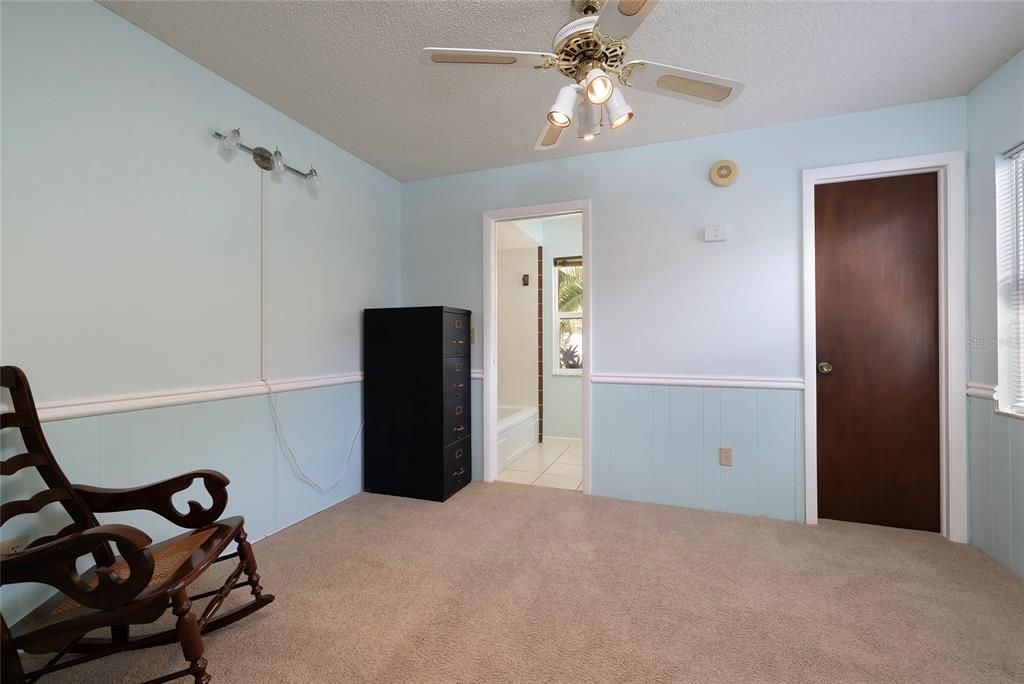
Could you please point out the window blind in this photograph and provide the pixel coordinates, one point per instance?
(1013, 244)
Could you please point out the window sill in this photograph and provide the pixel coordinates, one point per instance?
(1010, 414)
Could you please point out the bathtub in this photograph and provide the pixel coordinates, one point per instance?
(517, 432)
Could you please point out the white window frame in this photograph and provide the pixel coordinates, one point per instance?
(556, 323)
(1010, 280)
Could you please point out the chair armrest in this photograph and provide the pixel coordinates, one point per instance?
(54, 564)
(156, 497)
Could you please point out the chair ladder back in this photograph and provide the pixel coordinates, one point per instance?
(38, 455)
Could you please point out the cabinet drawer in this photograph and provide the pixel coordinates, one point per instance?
(456, 456)
(456, 478)
(456, 420)
(456, 335)
(456, 378)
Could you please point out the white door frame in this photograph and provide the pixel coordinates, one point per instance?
(952, 327)
(490, 325)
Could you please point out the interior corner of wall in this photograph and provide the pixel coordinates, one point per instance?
(400, 271)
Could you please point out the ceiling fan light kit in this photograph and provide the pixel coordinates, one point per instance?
(599, 86)
(561, 111)
(618, 110)
(588, 117)
(591, 51)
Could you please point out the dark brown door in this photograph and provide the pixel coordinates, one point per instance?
(876, 251)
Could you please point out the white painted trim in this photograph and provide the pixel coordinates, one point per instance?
(981, 391)
(119, 403)
(490, 326)
(952, 326)
(700, 381)
(978, 390)
(476, 374)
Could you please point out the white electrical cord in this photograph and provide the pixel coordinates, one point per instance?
(286, 448)
(290, 455)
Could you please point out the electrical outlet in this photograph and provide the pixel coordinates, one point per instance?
(714, 234)
(725, 456)
(14, 544)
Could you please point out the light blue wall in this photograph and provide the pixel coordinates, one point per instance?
(660, 444)
(995, 123)
(476, 398)
(563, 394)
(130, 264)
(130, 242)
(729, 308)
(996, 494)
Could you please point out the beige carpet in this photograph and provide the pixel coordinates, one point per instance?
(508, 582)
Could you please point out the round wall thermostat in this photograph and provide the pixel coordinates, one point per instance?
(723, 173)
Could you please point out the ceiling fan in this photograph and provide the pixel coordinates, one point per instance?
(591, 51)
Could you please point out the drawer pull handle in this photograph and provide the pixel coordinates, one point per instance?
(458, 324)
(458, 341)
(458, 410)
(459, 386)
(459, 428)
(458, 454)
(458, 472)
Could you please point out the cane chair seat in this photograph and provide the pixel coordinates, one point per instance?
(176, 561)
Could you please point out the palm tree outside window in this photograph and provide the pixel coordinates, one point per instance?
(569, 315)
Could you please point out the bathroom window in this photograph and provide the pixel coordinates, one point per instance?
(568, 324)
(1010, 221)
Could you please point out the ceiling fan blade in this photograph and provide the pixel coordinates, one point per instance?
(682, 84)
(550, 137)
(529, 60)
(619, 18)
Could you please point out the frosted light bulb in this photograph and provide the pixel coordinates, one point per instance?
(599, 86)
(278, 159)
(313, 179)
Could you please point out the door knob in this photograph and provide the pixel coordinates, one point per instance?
(824, 367)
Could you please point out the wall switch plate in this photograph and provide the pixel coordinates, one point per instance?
(714, 234)
(725, 456)
(472, 335)
(14, 544)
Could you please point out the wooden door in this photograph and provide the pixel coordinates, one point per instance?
(876, 258)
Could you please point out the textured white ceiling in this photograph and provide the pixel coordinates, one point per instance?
(350, 70)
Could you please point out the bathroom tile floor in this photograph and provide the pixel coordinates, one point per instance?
(556, 462)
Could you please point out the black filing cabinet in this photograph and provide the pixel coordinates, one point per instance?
(416, 401)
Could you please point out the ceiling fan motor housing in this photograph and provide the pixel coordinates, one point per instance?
(576, 44)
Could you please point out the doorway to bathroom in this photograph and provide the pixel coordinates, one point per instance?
(536, 354)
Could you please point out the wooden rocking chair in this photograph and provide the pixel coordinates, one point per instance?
(133, 588)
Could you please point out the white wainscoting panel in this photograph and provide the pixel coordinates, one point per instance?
(660, 443)
(996, 496)
(235, 436)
